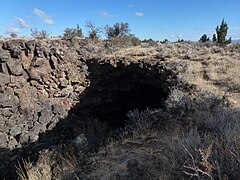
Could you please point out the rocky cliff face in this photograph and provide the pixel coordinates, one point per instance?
(40, 82)
(47, 86)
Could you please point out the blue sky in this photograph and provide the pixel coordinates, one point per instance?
(157, 19)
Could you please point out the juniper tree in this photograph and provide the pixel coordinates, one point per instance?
(222, 33)
(70, 33)
(214, 39)
(118, 30)
(204, 38)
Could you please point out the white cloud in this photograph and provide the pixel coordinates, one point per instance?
(139, 14)
(22, 23)
(45, 18)
(48, 21)
(11, 30)
(130, 6)
(176, 36)
(105, 14)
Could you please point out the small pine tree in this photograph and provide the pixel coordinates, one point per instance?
(204, 38)
(222, 33)
(79, 32)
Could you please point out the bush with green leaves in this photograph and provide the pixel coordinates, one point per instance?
(222, 33)
(70, 33)
(117, 30)
(13, 35)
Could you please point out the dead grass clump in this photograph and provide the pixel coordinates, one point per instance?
(27, 171)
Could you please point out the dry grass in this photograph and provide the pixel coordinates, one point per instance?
(27, 171)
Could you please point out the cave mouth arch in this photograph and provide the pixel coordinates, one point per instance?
(114, 91)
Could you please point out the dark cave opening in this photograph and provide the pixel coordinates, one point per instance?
(141, 96)
(114, 91)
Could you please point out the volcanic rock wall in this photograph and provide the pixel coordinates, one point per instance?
(39, 83)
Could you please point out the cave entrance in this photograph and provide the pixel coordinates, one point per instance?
(114, 91)
(141, 96)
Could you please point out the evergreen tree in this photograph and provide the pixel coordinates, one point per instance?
(79, 32)
(118, 30)
(204, 38)
(180, 40)
(222, 33)
(214, 39)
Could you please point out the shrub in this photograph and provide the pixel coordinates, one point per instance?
(42, 34)
(70, 33)
(13, 35)
(209, 144)
(94, 30)
(124, 41)
(117, 30)
(141, 121)
(180, 40)
(165, 41)
(151, 42)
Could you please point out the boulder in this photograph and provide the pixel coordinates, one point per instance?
(15, 53)
(63, 82)
(39, 62)
(4, 55)
(33, 74)
(30, 45)
(15, 67)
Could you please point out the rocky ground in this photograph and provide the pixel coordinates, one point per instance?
(55, 92)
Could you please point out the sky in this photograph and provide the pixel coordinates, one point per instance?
(156, 19)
